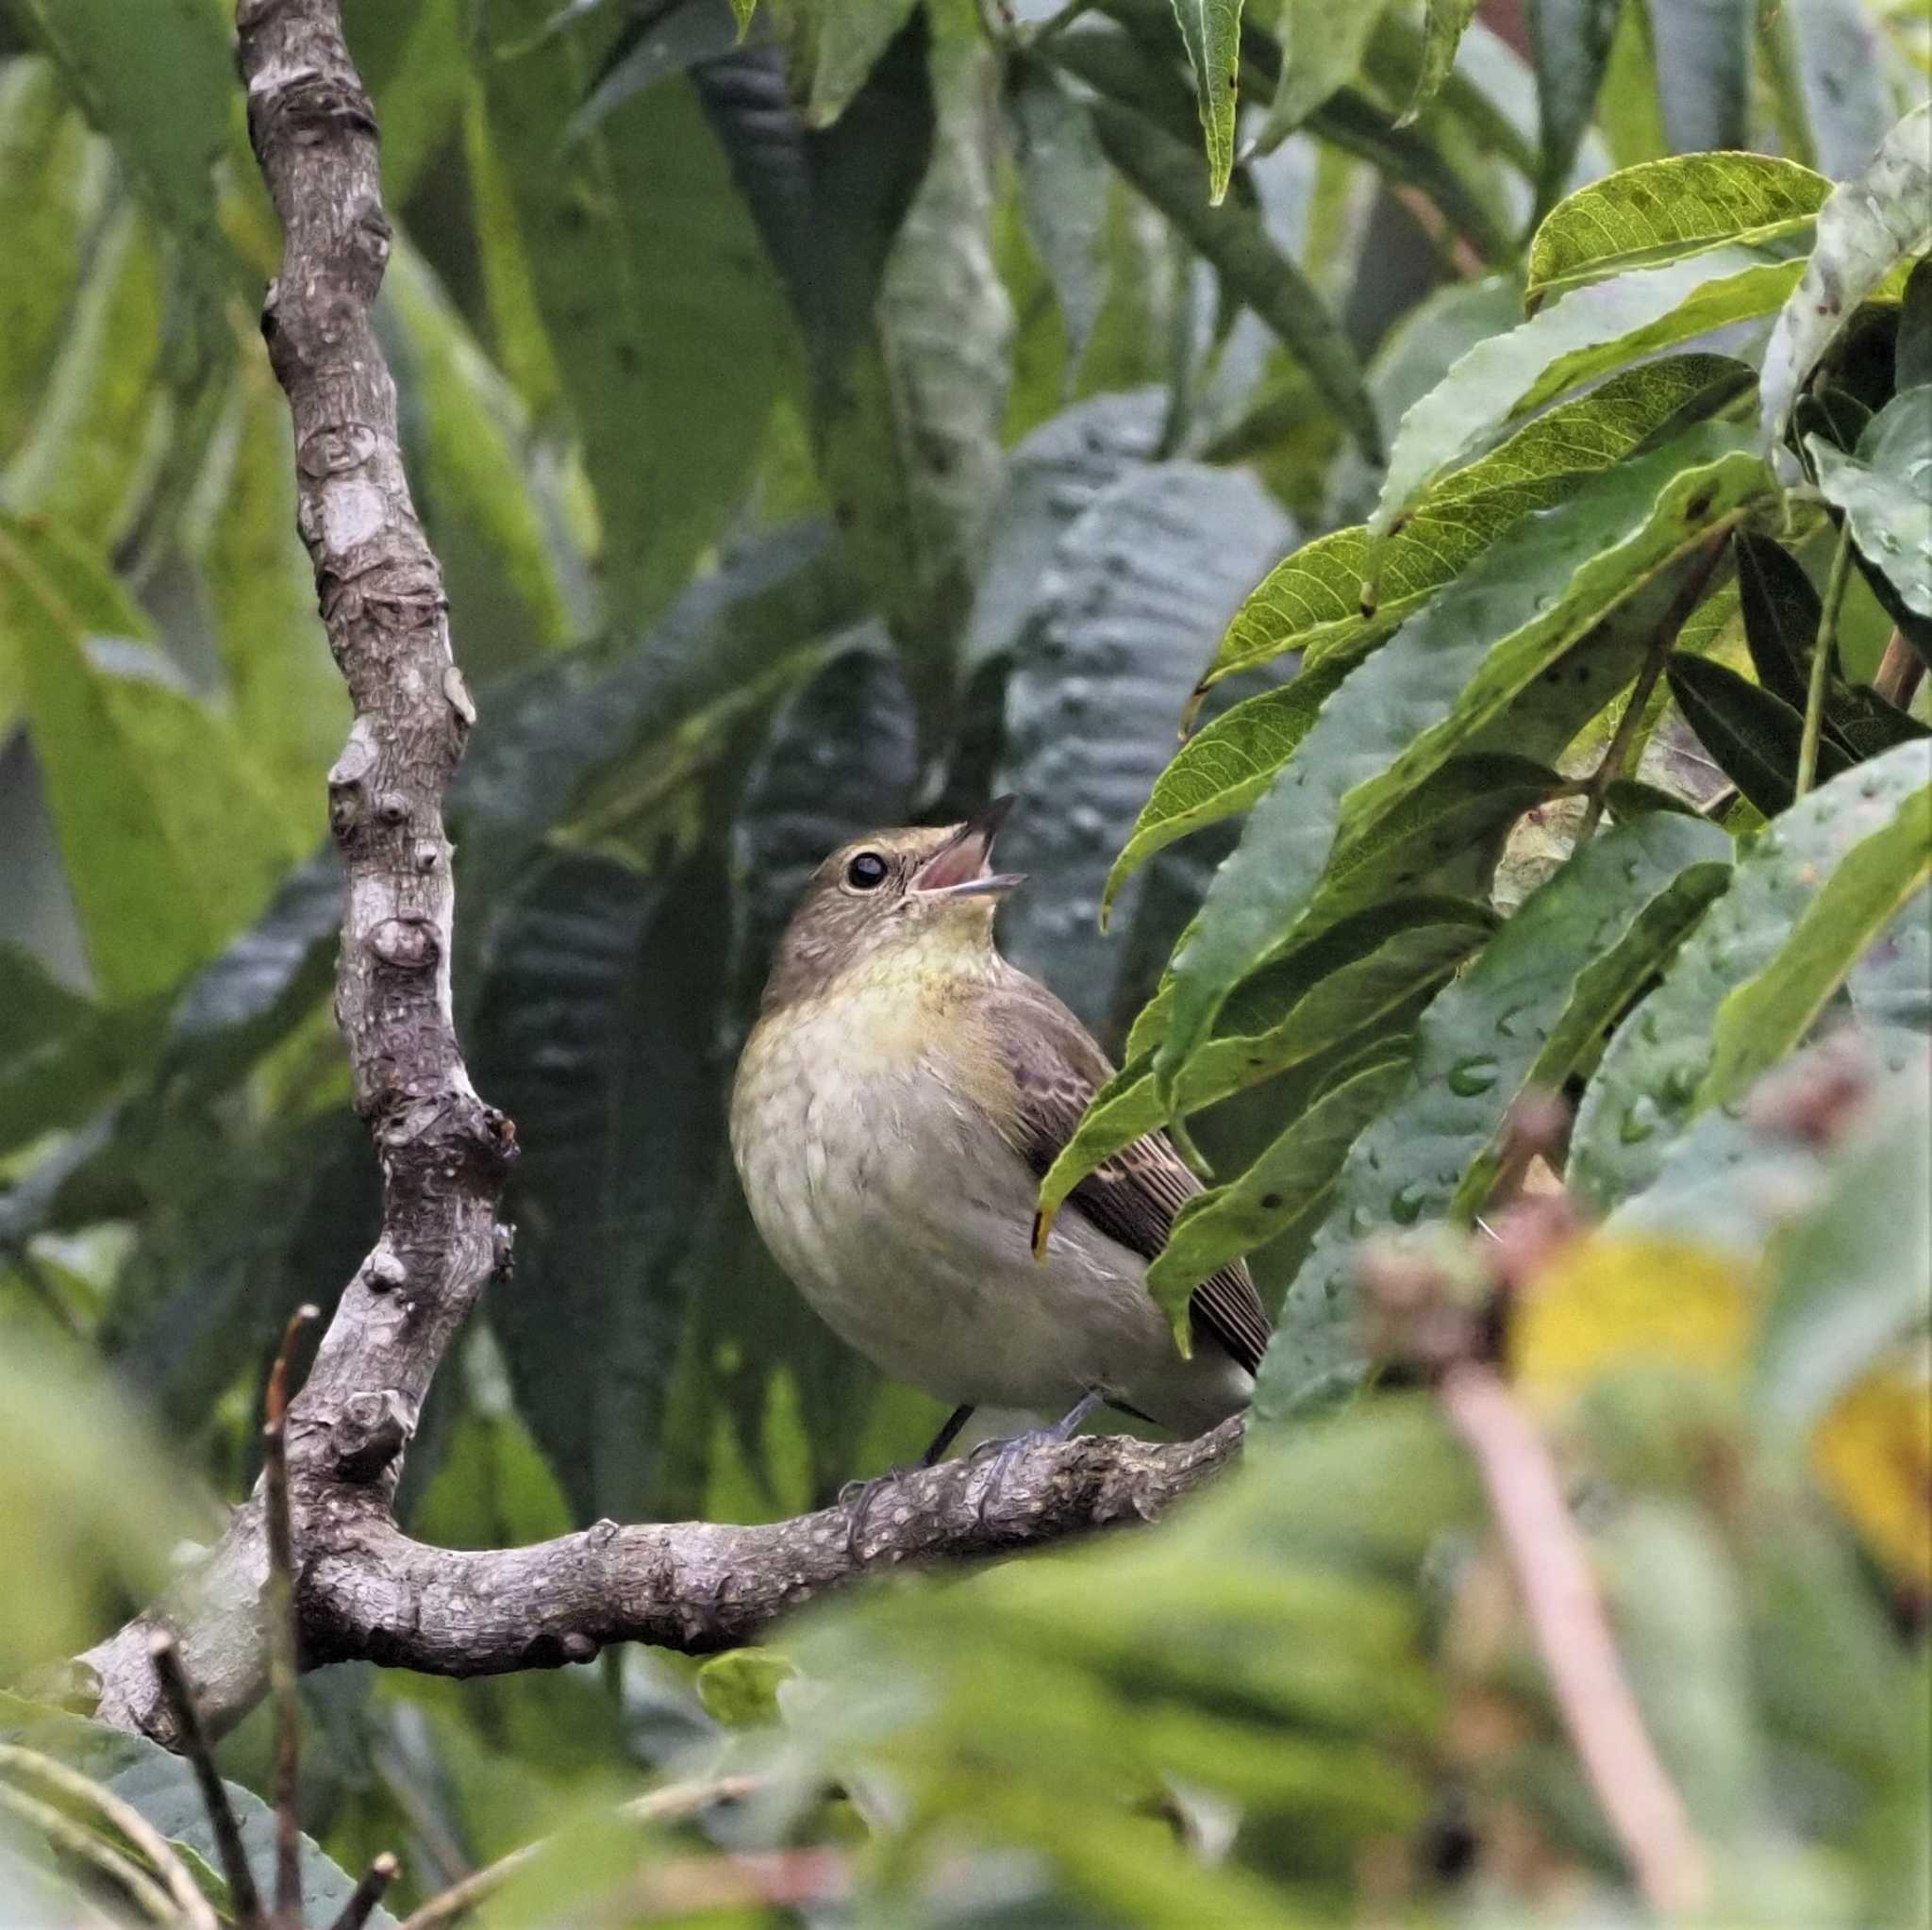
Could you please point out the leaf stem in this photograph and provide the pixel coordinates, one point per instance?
(1822, 654)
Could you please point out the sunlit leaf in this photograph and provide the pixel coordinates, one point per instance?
(1657, 211)
(1443, 22)
(1211, 32)
(1321, 48)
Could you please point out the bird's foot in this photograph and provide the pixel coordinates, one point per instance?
(1008, 1453)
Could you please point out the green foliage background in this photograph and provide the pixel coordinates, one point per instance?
(833, 414)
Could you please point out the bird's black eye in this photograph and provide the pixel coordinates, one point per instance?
(866, 872)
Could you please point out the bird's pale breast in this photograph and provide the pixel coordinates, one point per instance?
(883, 1188)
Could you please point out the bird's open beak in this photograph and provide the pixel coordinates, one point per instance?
(961, 867)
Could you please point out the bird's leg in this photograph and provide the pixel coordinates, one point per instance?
(857, 1496)
(1006, 1452)
(947, 1435)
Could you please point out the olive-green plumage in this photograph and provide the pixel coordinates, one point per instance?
(903, 1091)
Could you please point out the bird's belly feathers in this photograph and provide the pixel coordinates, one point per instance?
(904, 1219)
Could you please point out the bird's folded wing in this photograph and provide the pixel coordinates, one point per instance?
(1057, 1068)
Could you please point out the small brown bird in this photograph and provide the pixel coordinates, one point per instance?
(901, 1095)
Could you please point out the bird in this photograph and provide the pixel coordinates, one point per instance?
(896, 1103)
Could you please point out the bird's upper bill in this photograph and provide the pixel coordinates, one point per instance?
(962, 865)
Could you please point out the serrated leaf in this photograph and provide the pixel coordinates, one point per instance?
(1523, 1016)
(1765, 1017)
(1136, 590)
(1324, 993)
(1288, 1181)
(1885, 493)
(1590, 332)
(1659, 210)
(1321, 49)
(1211, 32)
(1703, 51)
(1849, 1277)
(1486, 641)
(1234, 240)
(1867, 227)
(1753, 736)
(1443, 22)
(1570, 47)
(1224, 766)
(1654, 1074)
(1317, 601)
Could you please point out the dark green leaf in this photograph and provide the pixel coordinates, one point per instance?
(1063, 185)
(1781, 612)
(1570, 44)
(1753, 736)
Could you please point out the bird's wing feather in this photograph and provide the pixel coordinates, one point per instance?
(1132, 1198)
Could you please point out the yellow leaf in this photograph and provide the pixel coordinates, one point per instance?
(1609, 1303)
(1872, 1453)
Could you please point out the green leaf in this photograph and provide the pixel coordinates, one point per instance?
(1570, 45)
(1753, 735)
(1443, 22)
(1849, 1276)
(1654, 1075)
(53, 174)
(1481, 644)
(1659, 210)
(1882, 492)
(1912, 348)
(1287, 1182)
(1869, 225)
(1703, 51)
(908, 436)
(145, 784)
(1224, 766)
(851, 38)
(1211, 32)
(1321, 49)
(162, 1787)
(1838, 55)
(1590, 332)
(1520, 1018)
(61, 1055)
(472, 479)
(1762, 1018)
(1891, 983)
(1063, 190)
(1233, 239)
(1321, 994)
(659, 306)
(1136, 590)
(740, 1688)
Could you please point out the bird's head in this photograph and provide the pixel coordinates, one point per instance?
(911, 900)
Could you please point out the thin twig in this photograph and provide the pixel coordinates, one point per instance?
(283, 1660)
(673, 1803)
(193, 1909)
(1566, 1615)
(1823, 652)
(214, 1792)
(82, 1844)
(367, 1894)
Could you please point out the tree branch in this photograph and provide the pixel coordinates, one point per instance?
(362, 1588)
